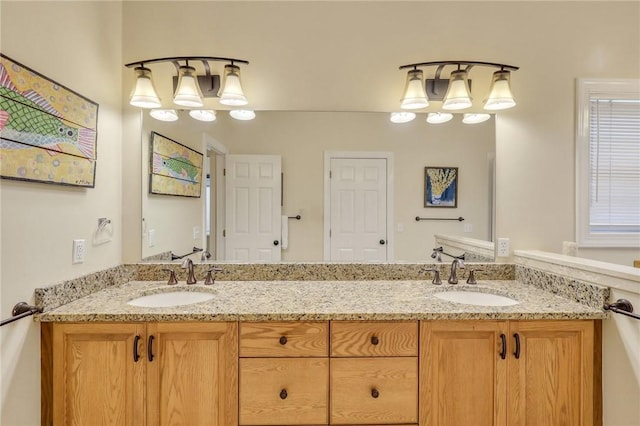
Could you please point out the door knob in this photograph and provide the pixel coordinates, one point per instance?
(276, 242)
(383, 242)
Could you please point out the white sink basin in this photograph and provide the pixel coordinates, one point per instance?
(476, 298)
(171, 298)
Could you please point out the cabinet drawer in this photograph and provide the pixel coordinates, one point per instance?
(284, 391)
(284, 339)
(374, 338)
(374, 390)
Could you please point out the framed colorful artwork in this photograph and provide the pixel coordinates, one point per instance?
(175, 169)
(48, 132)
(441, 187)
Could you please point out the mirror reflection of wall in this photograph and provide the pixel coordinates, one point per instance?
(301, 139)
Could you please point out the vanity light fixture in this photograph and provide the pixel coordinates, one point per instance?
(203, 114)
(190, 88)
(455, 92)
(242, 114)
(164, 114)
(402, 117)
(475, 118)
(439, 117)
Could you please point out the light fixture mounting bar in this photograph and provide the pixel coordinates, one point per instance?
(468, 64)
(186, 58)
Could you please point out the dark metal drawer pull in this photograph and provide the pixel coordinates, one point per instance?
(150, 349)
(375, 393)
(503, 351)
(283, 394)
(283, 340)
(374, 340)
(517, 352)
(136, 355)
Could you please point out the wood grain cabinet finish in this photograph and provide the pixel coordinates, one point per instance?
(374, 390)
(508, 373)
(139, 374)
(374, 338)
(284, 339)
(284, 391)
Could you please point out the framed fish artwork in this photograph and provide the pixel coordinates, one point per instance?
(175, 168)
(48, 132)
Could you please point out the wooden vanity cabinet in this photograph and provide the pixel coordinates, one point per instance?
(137, 374)
(507, 373)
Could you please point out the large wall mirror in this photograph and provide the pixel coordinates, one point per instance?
(302, 139)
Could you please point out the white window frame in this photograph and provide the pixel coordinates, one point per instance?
(585, 88)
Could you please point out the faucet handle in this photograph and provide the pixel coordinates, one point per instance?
(209, 279)
(471, 279)
(172, 277)
(436, 276)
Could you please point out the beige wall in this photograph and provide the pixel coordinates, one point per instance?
(554, 44)
(67, 43)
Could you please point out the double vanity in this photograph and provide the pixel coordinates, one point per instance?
(317, 346)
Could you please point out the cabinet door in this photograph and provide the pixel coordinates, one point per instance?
(463, 375)
(192, 371)
(96, 380)
(551, 378)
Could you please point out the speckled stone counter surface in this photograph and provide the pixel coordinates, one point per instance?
(320, 300)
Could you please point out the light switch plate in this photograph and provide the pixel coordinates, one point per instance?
(151, 237)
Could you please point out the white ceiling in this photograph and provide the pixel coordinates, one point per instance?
(332, 56)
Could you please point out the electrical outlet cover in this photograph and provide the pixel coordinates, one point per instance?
(78, 251)
(503, 247)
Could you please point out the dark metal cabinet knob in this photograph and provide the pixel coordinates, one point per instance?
(374, 340)
(383, 242)
(283, 340)
(276, 242)
(283, 394)
(375, 393)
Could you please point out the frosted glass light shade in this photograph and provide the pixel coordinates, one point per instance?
(500, 96)
(144, 94)
(164, 114)
(402, 117)
(188, 92)
(203, 114)
(458, 96)
(475, 118)
(232, 93)
(242, 114)
(439, 117)
(415, 96)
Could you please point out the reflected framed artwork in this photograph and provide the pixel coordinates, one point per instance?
(440, 186)
(48, 133)
(175, 168)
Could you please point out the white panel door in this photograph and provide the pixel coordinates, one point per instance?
(358, 209)
(253, 219)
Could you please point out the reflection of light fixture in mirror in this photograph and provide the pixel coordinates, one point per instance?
(164, 114)
(402, 117)
(203, 114)
(458, 96)
(500, 96)
(475, 118)
(188, 91)
(242, 114)
(455, 92)
(193, 82)
(144, 93)
(415, 96)
(232, 93)
(439, 117)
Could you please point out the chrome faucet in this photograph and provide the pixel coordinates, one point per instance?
(205, 256)
(453, 276)
(188, 264)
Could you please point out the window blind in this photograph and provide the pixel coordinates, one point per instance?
(614, 163)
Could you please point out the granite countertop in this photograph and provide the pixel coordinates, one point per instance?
(320, 300)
